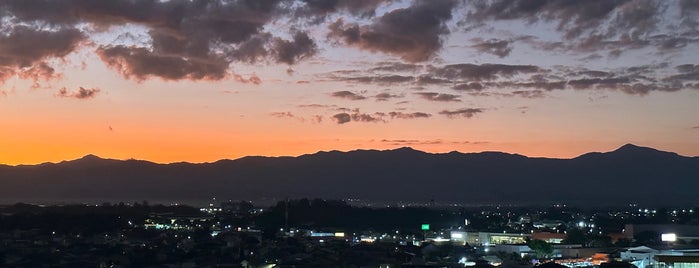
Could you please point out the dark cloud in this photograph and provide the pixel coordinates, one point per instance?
(431, 80)
(531, 81)
(282, 114)
(140, 63)
(347, 95)
(688, 72)
(481, 72)
(613, 26)
(364, 8)
(355, 115)
(473, 86)
(573, 17)
(363, 117)
(538, 84)
(529, 94)
(386, 96)
(37, 72)
(24, 46)
(609, 83)
(401, 115)
(25, 50)
(195, 40)
(434, 96)
(689, 9)
(253, 79)
(497, 47)
(466, 112)
(396, 67)
(254, 49)
(342, 118)
(81, 93)
(300, 47)
(413, 33)
(370, 79)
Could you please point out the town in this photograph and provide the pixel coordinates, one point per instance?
(333, 233)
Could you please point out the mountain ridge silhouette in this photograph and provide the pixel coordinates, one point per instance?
(629, 174)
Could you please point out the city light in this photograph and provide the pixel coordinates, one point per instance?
(670, 237)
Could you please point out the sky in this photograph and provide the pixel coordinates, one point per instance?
(199, 81)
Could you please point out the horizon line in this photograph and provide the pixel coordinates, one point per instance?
(328, 151)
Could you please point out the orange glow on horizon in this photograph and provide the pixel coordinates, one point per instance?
(170, 151)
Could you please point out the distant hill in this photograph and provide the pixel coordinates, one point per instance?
(628, 174)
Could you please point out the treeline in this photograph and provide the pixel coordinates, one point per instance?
(84, 219)
(338, 215)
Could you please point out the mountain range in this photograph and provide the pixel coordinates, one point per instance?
(630, 174)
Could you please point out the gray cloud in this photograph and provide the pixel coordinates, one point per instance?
(386, 96)
(688, 72)
(300, 47)
(189, 39)
(342, 118)
(363, 117)
(574, 17)
(413, 33)
(401, 115)
(481, 72)
(529, 94)
(531, 81)
(81, 93)
(591, 26)
(140, 63)
(466, 112)
(282, 114)
(497, 47)
(357, 116)
(319, 8)
(473, 86)
(434, 96)
(396, 67)
(253, 79)
(24, 51)
(612, 82)
(347, 95)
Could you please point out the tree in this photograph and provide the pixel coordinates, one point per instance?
(575, 236)
(541, 248)
(647, 238)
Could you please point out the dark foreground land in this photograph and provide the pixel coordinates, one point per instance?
(304, 233)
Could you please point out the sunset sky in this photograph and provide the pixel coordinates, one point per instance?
(198, 81)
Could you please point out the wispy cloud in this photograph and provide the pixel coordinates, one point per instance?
(385, 96)
(347, 95)
(498, 47)
(81, 93)
(433, 96)
(466, 112)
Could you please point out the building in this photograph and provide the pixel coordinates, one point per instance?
(485, 238)
(552, 238)
(678, 259)
(640, 256)
(672, 232)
